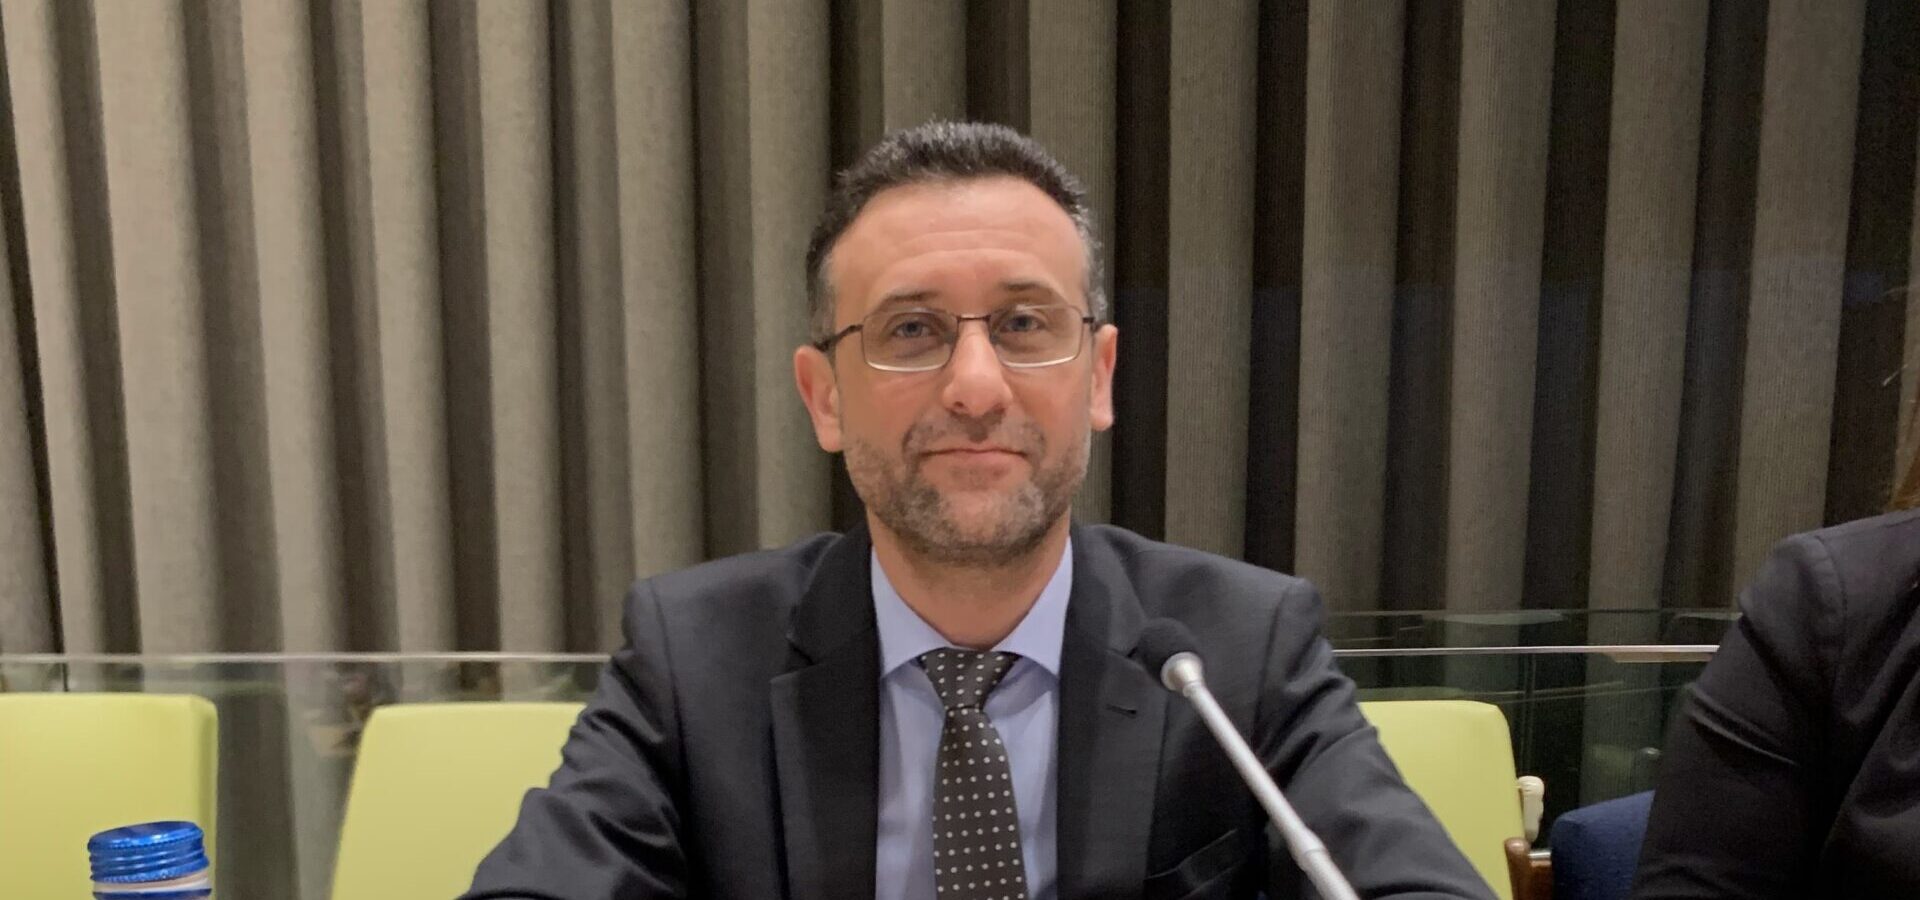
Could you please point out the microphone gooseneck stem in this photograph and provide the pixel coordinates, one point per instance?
(1308, 851)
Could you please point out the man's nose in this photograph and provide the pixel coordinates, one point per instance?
(976, 381)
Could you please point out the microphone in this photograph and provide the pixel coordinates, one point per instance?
(1169, 650)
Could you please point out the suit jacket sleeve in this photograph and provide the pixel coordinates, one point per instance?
(1329, 763)
(1733, 808)
(608, 824)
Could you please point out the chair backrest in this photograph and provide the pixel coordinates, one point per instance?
(435, 787)
(73, 765)
(1596, 848)
(1458, 756)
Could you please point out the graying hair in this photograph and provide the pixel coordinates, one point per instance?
(937, 152)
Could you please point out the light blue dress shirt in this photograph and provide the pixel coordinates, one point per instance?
(1022, 708)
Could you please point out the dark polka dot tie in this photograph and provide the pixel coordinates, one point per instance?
(976, 830)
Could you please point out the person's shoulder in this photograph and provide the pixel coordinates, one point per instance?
(1837, 585)
(1871, 566)
(1862, 561)
(1180, 581)
(1889, 538)
(765, 579)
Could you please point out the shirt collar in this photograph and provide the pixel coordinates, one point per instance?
(904, 636)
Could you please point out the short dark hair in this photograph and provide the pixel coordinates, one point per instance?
(945, 151)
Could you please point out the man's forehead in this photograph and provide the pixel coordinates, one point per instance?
(982, 221)
(997, 202)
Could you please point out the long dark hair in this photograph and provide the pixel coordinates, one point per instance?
(1906, 491)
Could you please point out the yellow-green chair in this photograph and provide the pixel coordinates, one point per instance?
(73, 765)
(1458, 756)
(435, 787)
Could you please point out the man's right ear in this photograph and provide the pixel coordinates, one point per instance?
(813, 376)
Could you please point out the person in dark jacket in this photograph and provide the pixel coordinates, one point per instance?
(1795, 770)
(951, 700)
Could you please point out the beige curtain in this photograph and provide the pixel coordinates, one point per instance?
(372, 324)
(381, 324)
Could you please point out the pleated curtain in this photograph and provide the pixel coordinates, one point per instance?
(369, 324)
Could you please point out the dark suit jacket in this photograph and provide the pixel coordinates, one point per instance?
(1795, 770)
(731, 749)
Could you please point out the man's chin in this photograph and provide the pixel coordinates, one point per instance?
(986, 546)
(999, 528)
(981, 513)
(980, 534)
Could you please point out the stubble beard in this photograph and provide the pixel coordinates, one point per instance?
(924, 518)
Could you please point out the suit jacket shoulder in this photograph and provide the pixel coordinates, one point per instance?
(1832, 606)
(764, 582)
(1869, 575)
(1195, 586)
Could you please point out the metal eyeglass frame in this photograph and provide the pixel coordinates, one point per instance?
(827, 345)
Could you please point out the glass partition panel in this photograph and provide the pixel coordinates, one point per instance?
(1527, 628)
(1587, 720)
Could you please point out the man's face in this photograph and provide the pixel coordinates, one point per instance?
(974, 462)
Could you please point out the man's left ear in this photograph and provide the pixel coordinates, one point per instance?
(1106, 348)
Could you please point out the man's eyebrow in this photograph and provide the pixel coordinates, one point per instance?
(1023, 286)
(907, 296)
(922, 296)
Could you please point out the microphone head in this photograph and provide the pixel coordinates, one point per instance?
(1165, 645)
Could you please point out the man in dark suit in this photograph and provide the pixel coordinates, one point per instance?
(949, 701)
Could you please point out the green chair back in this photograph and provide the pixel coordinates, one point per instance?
(1458, 756)
(435, 787)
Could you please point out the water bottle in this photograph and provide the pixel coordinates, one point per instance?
(152, 861)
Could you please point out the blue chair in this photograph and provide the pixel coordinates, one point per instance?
(1597, 847)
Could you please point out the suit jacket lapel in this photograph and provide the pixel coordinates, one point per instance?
(1111, 713)
(826, 712)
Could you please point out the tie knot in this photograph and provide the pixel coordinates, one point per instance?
(963, 678)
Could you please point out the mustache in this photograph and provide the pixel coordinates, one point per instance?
(992, 428)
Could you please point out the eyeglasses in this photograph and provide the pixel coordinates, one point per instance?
(922, 340)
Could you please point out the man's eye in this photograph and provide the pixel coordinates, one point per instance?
(1023, 322)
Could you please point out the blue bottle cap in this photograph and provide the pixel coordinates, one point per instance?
(154, 851)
